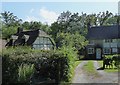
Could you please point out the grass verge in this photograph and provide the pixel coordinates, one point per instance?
(114, 69)
(75, 65)
(89, 68)
(73, 73)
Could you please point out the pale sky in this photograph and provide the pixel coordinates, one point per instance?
(60, 0)
(47, 11)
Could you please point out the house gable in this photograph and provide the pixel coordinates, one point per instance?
(31, 38)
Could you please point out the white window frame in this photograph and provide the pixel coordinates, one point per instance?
(90, 50)
(108, 40)
(114, 50)
(107, 50)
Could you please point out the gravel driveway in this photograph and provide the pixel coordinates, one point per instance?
(103, 77)
(80, 76)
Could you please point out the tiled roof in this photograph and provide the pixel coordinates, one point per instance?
(104, 32)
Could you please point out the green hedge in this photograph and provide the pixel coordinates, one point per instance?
(115, 59)
(54, 65)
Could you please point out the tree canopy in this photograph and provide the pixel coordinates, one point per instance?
(69, 29)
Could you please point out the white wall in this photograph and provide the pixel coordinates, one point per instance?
(111, 44)
(43, 43)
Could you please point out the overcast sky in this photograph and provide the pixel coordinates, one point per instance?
(49, 11)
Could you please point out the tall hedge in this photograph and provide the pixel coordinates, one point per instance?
(54, 65)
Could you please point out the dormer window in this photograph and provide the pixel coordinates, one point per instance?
(107, 50)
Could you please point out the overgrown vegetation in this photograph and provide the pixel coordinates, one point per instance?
(55, 65)
(25, 72)
(114, 69)
(112, 63)
(8, 31)
(115, 60)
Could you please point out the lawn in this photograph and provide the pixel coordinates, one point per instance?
(89, 68)
(114, 69)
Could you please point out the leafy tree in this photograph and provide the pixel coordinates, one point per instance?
(8, 31)
(102, 17)
(68, 23)
(46, 28)
(9, 24)
(26, 25)
(35, 25)
(75, 40)
(55, 28)
(9, 19)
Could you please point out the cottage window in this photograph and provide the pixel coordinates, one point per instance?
(107, 50)
(114, 50)
(108, 40)
(90, 50)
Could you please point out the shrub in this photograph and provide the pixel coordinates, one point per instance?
(115, 59)
(53, 65)
(71, 54)
(25, 71)
(108, 56)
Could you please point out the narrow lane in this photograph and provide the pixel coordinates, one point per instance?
(105, 77)
(79, 76)
(102, 77)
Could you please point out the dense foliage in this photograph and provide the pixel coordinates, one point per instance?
(19, 64)
(75, 40)
(25, 72)
(8, 31)
(113, 60)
